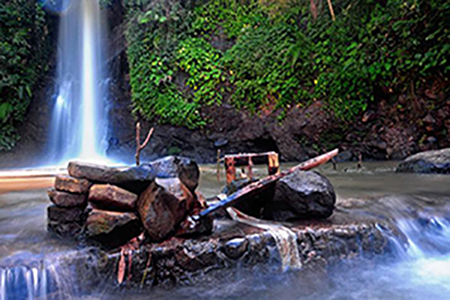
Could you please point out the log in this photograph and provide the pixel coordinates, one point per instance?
(259, 185)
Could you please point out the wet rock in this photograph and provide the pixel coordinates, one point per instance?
(161, 211)
(278, 210)
(65, 215)
(221, 142)
(235, 248)
(134, 179)
(305, 194)
(112, 228)
(65, 229)
(66, 222)
(174, 166)
(344, 156)
(71, 184)
(92, 172)
(111, 197)
(254, 204)
(64, 199)
(202, 227)
(436, 161)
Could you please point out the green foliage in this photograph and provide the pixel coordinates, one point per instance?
(23, 33)
(202, 63)
(273, 54)
(152, 34)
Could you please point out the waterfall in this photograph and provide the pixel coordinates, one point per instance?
(79, 117)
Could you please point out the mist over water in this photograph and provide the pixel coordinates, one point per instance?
(79, 123)
(31, 261)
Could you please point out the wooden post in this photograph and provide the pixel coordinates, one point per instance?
(230, 168)
(274, 165)
(359, 164)
(218, 165)
(250, 166)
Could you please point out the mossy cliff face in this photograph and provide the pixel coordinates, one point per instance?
(259, 75)
(284, 76)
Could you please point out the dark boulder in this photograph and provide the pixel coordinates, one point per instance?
(111, 197)
(254, 204)
(66, 222)
(134, 179)
(161, 211)
(71, 184)
(66, 215)
(64, 199)
(112, 228)
(301, 195)
(436, 161)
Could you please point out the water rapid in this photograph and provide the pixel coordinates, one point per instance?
(78, 123)
(35, 265)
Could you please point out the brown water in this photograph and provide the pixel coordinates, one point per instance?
(418, 204)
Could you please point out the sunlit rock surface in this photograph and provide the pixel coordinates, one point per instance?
(71, 184)
(112, 197)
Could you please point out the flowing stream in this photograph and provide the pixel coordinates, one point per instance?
(36, 265)
(78, 123)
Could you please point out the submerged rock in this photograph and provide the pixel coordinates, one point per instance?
(71, 184)
(112, 228)
(161, 211)
(111, 197)
(436, 161)
(64, 199)
(302, 195)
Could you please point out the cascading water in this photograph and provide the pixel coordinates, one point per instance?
(79, 116)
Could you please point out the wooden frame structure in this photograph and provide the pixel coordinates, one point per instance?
(232, 161)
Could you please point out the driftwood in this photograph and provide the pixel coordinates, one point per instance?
(256, 187)
(139, 146)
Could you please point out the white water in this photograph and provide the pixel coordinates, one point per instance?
(78, 124)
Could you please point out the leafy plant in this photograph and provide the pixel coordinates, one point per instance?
(22, 55)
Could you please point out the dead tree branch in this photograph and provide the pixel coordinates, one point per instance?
(139, 146)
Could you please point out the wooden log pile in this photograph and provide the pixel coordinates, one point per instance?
(113, 206)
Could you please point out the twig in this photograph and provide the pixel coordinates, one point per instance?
(139, 146)
(330, 6)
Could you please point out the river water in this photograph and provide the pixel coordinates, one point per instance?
(419, 205)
